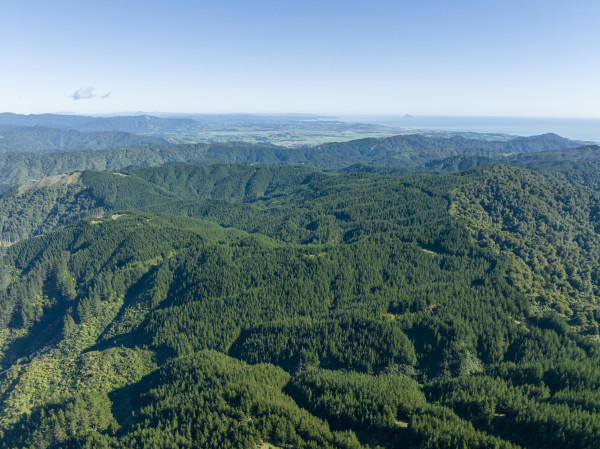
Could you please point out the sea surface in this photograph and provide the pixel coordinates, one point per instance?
(586, 129)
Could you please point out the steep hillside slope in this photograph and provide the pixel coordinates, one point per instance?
(41, 206)
(550, 230)
(330, 310)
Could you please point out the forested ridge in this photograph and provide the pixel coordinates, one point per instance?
(253, 306)
(46, 140)
(226, 305)
(404, 151)
(140, 124)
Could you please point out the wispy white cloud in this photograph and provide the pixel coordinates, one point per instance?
(84, 93)
(88, 92)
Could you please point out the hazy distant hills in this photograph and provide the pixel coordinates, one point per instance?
(179, 125)
(48, 120)
(40, 139)
(287, 130)
(142, 124)
(416, 150)
(416, 142)
(290, 131)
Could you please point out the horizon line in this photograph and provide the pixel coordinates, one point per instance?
(302, 114)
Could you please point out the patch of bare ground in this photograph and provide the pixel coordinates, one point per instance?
(73, 178)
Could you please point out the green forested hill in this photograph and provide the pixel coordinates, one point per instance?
(578, 166)
(412, 151)
(549, 230)
(19, 168)
(138, 124)
(38, 207)
(47, 140)
(416, 150)
(557, 159)
(258, 307)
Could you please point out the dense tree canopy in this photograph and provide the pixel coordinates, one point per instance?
(251, 306)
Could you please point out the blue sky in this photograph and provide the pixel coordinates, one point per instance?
(490, 58)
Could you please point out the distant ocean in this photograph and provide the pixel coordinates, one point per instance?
(573, 128)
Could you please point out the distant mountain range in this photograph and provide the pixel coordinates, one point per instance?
(288, 130)
(148, 124)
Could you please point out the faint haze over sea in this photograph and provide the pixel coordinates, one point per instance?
(587, 129)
